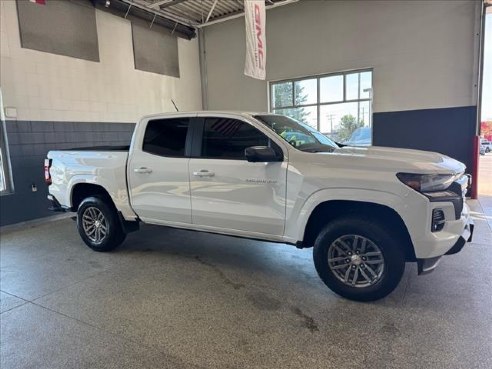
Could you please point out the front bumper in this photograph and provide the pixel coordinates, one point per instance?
(465, 237)
(458, 226)
(427, 265)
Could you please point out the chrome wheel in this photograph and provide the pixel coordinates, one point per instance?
(94, 224)
(356, 261)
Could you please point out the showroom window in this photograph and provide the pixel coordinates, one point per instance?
(225, 138)
(338, 105)
(166, 137)
(4, 167)
(6, 183)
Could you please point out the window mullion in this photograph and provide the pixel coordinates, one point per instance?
(318, 99)
(272, 107)
(344, 87)
(293, 93)
(358, 86)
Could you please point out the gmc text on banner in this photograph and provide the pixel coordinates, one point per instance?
(255, 16)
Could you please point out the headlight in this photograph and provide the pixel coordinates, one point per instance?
(426, 182)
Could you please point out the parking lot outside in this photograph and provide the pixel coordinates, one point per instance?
(485, 175)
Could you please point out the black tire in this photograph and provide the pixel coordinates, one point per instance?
(108, 219)
(387, 276)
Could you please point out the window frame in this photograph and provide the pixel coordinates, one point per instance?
(188, 139)
(319, 104)
(5, 164)
(198, 136)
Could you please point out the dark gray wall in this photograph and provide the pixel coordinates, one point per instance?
(29, 142)
(449, 131)
(65, 27)
(155, 50)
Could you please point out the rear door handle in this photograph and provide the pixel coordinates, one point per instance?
(203, 173)
(143, 170)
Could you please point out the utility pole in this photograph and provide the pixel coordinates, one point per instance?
(330, 117)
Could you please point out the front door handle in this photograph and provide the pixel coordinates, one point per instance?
(143, 170)
(203, 173)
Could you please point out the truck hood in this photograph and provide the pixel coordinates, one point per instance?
(399, 160)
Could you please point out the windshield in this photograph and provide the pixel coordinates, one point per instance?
(361, 134)
(298, 134)
(360, 137)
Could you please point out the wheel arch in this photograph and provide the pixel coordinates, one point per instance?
(334, 209)
(81, 191)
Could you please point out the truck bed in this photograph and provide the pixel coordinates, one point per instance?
(99, 165)
(99, 148)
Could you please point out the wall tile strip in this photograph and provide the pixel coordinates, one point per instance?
(30, 141)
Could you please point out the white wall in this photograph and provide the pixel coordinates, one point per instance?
(422, 52)
(48, 87)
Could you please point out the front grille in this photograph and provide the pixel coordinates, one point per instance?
(458, 208)
(461, 185)
(457, 189)
(450, 196)
(455, 193)
(460, 188)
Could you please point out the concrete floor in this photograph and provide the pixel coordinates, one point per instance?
(177, 299)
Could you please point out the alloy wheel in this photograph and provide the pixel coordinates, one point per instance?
(94, 224)
(356, 261)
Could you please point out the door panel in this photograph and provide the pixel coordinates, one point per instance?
(227, 191)
(239, 195)
(164, 194)
(158, 173)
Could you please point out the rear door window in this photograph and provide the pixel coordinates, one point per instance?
(166, 137)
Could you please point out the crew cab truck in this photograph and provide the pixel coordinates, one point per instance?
(366, 211)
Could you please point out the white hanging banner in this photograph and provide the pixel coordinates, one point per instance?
(255, 15)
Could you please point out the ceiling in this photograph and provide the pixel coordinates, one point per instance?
(197, 13)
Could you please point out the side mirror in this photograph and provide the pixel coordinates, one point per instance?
(256, 154)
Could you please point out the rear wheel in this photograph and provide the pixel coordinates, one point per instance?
(98, 225)
(358, 259)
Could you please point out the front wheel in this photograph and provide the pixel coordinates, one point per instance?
(98, 225)
(358, 259)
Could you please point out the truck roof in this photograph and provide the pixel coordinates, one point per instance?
(204, 112)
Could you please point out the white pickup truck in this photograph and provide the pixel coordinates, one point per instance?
(365, 211)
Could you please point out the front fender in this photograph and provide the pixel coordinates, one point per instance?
(402, 206)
